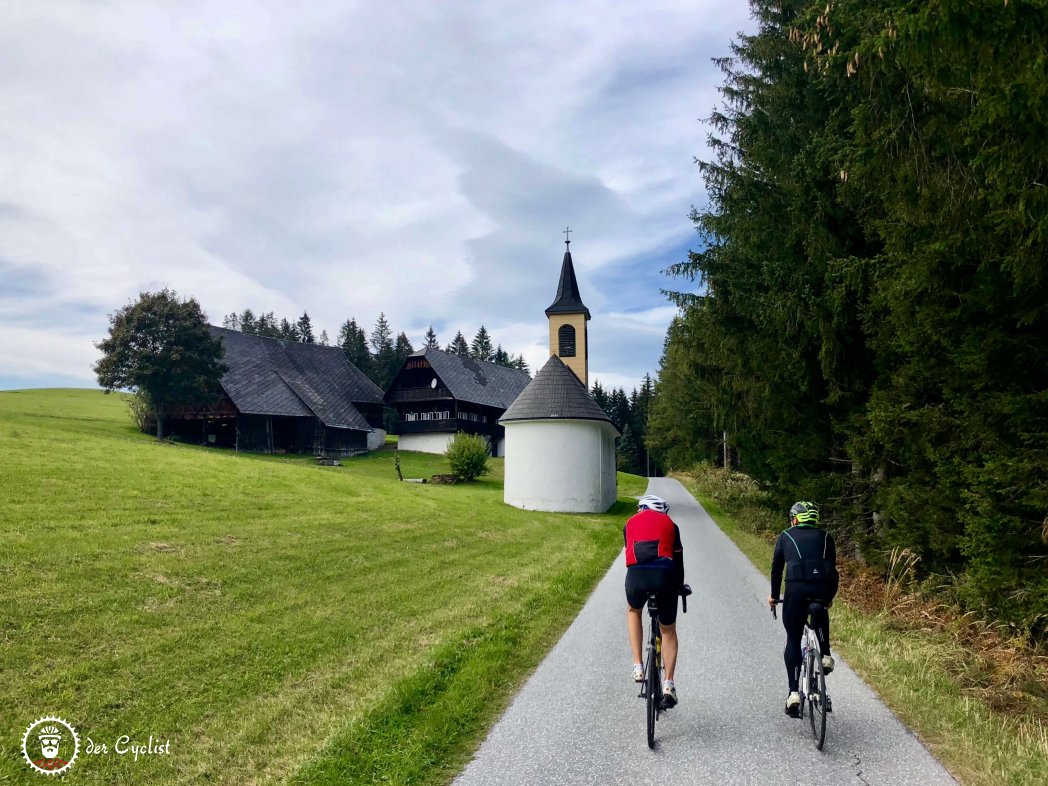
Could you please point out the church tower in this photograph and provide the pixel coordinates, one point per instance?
(568, 337)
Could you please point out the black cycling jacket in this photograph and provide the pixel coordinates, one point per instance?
(804, 544)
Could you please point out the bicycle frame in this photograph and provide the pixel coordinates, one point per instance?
(653, 647)
(809, 643)
(651, 688)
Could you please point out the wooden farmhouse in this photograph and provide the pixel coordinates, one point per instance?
(284, 396)
(437, 394)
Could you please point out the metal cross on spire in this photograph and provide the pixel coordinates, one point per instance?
(567, 237)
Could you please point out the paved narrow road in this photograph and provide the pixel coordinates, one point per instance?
(578, 719)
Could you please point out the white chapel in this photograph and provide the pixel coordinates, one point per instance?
(560, 445)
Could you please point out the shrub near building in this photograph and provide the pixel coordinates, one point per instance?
(468, 456)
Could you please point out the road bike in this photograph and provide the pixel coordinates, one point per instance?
(812, 679)
(651, 688)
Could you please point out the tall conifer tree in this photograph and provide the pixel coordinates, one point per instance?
(481, 348)
(305, 329)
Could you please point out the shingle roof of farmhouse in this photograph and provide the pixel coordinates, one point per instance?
(476, 381)
(555, 393)
(268, 376)
(568, 301)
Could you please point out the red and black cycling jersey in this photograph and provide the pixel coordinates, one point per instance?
(650, 536)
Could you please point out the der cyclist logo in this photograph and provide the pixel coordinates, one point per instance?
(47, 742)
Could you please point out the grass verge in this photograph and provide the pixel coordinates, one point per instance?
(259, 611)
(922, 674)
(424, 730)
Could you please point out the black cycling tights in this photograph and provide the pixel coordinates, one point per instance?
(794, 612)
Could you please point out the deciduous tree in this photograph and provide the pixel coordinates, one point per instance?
(160, 345)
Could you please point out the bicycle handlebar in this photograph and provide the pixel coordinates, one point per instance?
(685, 591)
(774, 615)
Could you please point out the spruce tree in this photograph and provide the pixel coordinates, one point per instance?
(458, 345)
(401, 350)
(627, 451)
(267, 325)
(289, 331)
(247, 322)
(481, 348)
(383, 357)
(354, 344)
(305, 329)
(619, 408)
(600, 397)
(431, 339)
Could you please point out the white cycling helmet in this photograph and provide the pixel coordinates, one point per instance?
(651, 502)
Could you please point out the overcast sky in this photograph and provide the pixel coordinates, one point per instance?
(346, 158)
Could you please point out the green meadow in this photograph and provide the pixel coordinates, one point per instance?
(274, 620)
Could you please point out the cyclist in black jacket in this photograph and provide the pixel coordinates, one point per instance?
(809, 557)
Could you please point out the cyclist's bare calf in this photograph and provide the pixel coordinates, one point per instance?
(669, 640)
(635, 629)
(669, 649)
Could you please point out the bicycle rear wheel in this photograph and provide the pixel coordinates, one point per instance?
(802, 680)
(651, 688)
(817, 697)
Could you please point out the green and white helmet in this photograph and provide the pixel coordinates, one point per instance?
(805, 513)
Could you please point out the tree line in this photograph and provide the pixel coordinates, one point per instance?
(380, 353)
(870, 325)
(630, 416)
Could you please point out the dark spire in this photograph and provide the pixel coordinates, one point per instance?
(568, 299)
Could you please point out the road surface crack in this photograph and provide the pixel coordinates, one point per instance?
(858, 770)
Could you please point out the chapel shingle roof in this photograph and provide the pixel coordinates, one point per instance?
(568, 301)
(268, 376)
(555, 393)
(476, 381)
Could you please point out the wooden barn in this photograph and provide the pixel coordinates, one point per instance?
(284, 396)
(437, 394)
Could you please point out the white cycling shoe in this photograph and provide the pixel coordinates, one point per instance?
(669, 695)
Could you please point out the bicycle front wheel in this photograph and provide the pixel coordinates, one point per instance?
(817, 698)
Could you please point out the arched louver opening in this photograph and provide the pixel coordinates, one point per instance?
(566, 341)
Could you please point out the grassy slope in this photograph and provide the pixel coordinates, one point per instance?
(908, 668)
(265, 614)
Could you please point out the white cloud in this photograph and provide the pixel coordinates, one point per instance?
(405, 157)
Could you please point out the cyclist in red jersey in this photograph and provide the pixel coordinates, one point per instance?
(654, 563)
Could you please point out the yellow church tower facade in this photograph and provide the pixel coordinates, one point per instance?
(568, 331)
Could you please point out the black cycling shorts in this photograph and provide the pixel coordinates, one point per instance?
(640, 582)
